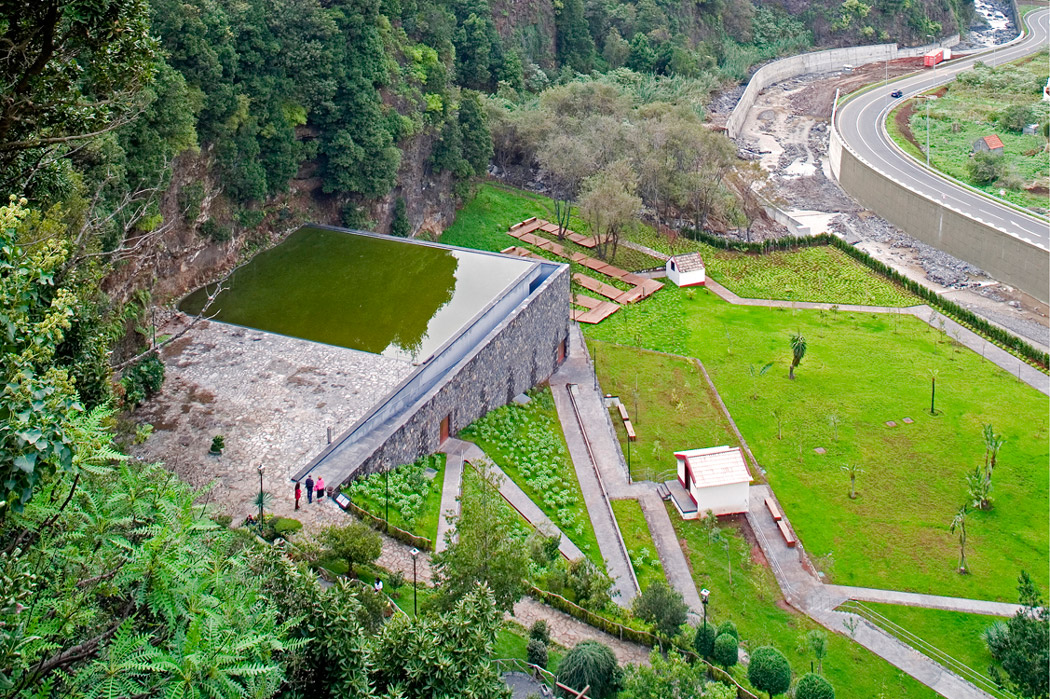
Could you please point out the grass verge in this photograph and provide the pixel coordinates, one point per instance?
(749, 597)
(860, 371)
(669, 402)
(639, 541)
(415, 499)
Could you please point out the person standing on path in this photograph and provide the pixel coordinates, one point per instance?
(309, 490)
(320, 488)
(298, 494)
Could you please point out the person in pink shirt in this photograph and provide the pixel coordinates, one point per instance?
(320, 487)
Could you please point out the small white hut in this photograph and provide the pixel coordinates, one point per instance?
(716, 479)
(686, 270)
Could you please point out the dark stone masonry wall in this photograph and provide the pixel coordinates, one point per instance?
(521, 352)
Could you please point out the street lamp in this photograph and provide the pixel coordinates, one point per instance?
(386, 483)
(261, 467)
(704, 594)
(415, 604)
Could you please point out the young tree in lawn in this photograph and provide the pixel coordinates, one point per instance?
(992, 444)
(662, 607)
(355, 543)
(852, 469)
(769, 671)
(798, 351)
(817, 641)
(485, 548)
(958, 524)
(608, 203)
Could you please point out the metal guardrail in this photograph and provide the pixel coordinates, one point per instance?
(979, 680)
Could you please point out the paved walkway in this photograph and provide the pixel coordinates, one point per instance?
(805, 592)
(961, 334)
(450, 492)
(913, 599)
(605, 477)
(460, 451)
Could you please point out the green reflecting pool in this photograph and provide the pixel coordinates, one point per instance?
(379, 295)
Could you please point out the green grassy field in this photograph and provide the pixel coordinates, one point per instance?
(860, 371)
(969, 110)
(411, 508)
(752, 600)
(670, 405)
(639, 542)
(483, 222)
(528, 444)
(955, 633)
(513, 640)
(820, 274)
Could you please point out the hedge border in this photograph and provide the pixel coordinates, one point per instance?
(379, 524)
(1003, 338)
(626, 633)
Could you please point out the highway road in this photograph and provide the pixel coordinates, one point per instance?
(861, 122)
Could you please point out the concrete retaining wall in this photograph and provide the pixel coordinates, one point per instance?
(1005, 257)
(513, 357)
(817, 62)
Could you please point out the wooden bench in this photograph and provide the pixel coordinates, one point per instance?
(630, 431)
(523, 223)
(773, 510)
(789, 538)
(623, 412)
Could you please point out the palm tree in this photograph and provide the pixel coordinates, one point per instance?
(798, 351)
(852, 470)
(992, 444)
(959, 523)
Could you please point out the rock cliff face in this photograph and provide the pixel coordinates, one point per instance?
(179, 256)
(529, 26)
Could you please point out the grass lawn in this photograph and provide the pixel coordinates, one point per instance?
(753, 602)
(955, 633)
(415, 500)
(639, 542)
(670, 404)
(513, 640)
(860, 371)
(821, 274)
(483, 222)
(528, 444)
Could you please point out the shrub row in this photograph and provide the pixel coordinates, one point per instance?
(379, 524)
(993, 333)
(626, 633)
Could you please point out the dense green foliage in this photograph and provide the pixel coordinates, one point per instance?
(726, 650)
(1023, 647)
(813, 686)
(769, 671)
(662, 607)
(592, 664)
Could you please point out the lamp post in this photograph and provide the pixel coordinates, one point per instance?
(261, 467)
(704, 594)
(386, 486)
(415, 605)
(630, 479)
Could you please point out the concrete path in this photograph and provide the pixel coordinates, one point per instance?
(462, 451)
(605, 477)
(805, 592)
(961, 334)
(450, 492)
(912, 599)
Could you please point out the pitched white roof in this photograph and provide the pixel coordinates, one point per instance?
(716, 466)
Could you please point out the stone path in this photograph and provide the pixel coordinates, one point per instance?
(961, 334)
(564, 629)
